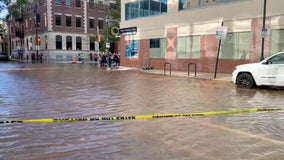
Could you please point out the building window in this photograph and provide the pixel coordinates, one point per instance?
(91, 23)
(69, 43)
(188, 47)
(68, 21)
(157, 48)
(58, 41)
(101, 24)
(277, 43)
(67, 2)
(78, 21)
(77, 3)
(92, 43)
(58, 20)
(236, 45)
(154, 43)
(209, 2)
(144, 8)
(91, 4)
(186, 4)
(113, 6)
(100, 6)
(79, 43)
(58, 2)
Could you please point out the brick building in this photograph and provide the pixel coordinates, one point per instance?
(65, 28)
(184, 31)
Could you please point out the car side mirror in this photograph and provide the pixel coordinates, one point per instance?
(267, 62)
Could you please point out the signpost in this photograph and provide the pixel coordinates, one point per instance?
(220, 34)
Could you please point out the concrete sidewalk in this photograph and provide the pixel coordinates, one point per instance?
(201, 75)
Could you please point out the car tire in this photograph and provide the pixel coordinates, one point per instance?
(245, 80)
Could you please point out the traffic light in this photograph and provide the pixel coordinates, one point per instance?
(99, 38)
(37, 41)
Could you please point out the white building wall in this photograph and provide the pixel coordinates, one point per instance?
(237, 16)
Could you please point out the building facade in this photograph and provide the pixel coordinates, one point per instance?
(183, 32)
(3, 37)
(60, 29)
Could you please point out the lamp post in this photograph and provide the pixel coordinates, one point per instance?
(264, 30)
(107, 19)
(36, 38)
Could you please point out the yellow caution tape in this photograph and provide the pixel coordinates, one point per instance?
(115, 118)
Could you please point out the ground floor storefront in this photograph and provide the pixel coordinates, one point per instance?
(181, 52)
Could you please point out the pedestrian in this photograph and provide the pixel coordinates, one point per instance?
(27, 56)
(82, 57)
(95, 57)
(79, 57)
(102, 58)
(117, 60)
(33, 57)
(91, 56)
(40, 57)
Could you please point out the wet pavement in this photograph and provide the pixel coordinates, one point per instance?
(35, 91)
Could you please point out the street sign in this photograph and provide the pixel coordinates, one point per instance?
(221, 32)
(128, 31)
(107, 45)
(264, 33)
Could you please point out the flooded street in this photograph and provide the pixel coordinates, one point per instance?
(37, 91)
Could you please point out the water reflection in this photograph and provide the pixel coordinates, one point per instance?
(77, 91)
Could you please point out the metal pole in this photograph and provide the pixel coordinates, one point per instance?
(36, 34)
(9, 39)
(217, 58)
(107, 48)
(107, 42)
(263, 31)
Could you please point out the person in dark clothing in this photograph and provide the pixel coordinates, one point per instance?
(40, 57)
(117, 60)
(91, 57)
(33, 57)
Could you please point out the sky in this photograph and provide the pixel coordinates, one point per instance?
(3, 13)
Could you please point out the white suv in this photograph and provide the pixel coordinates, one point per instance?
(269, 72)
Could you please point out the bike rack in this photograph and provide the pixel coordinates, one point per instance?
(165, 65)
(188, 68)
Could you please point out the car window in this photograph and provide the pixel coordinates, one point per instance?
(278, 59)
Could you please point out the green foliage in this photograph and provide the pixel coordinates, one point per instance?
(20, 10)
(115, 19)
(115, 13)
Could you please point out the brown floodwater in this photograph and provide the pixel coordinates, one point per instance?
(36, 91)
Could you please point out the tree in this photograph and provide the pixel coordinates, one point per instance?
(19, 10)
(114, 23)
(115, 12)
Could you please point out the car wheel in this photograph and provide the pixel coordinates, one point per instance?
(245, 80)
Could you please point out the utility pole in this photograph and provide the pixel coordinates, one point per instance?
(107, 19)
(264, 31)
(218, 52)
